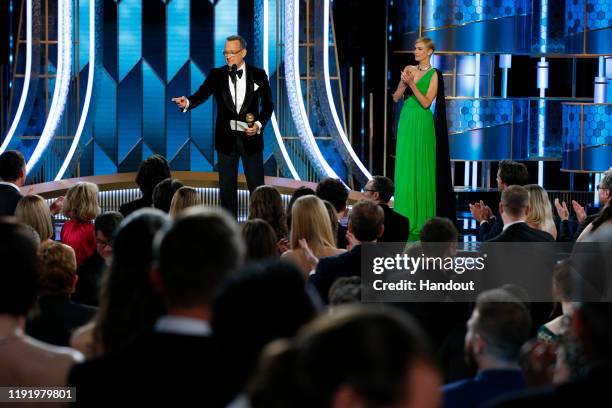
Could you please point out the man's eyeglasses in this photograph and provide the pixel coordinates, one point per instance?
(232, 53)
(371, 191)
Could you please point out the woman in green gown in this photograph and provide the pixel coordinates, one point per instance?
(422, 164)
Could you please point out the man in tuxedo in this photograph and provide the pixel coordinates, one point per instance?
(193, 257)
(510, 173)
(397, 227)
(12, 176)
(244, 106)
(366, 224)
(513, 208)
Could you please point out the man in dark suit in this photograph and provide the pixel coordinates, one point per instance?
(366, 224)
(12, 176)
(397, 227)
(178, 357)
(510, 173)
(513, 208)
(239, 89)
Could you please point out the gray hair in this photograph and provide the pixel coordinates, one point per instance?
(243, 43)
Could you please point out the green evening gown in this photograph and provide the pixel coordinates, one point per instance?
(415, 161)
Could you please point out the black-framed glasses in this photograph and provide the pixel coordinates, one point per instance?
(371, 191)
(232, 53)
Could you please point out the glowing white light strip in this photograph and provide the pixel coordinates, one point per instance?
(88, 92)
(62, 81)
(279, 138)
(330, 98)
(26, 79)
(294, 88)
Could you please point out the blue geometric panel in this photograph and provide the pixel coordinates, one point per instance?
(102, 164)
(132, 160)
(178, 36)
(105, 114)
(177, 122)
(202, 118)
(180, 161)
(202, 31)
(154, 110)
(226, 24)
(130, 35)
(84, 33)
(110, 38)
(129, 115)
(198, 161)
(146, 151)
(154, 36)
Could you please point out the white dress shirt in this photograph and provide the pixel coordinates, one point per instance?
(6, 183)
(512, 223)
(185, 326)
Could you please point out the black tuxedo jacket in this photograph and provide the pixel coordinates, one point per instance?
(521, 232)
(331, 268)
(489, 230)
(397, 227)
(258, 102)
(9, 197)
(158, 369)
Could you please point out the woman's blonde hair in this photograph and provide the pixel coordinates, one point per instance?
(427, 42)
(310, 221)
(33, 210)
(183, 198)
(81, 202)
(540, 210)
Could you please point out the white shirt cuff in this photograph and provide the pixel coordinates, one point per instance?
(186, 107)
(258, 124)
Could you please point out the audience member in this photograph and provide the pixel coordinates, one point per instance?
(163, 193)
(91, 271)
(397, 227)
(129, 305)
(299, 192)
(353, 357)
(55, 316)
(32, 210)
(266, 203)
(345, 290)
(366, 224)
(334, 191)
(310, 224)
(194, 256)
(562, 285)
(540, 215)
(12, 176)
(260, 240)
(510, 173)
(81, 207)
(184, 198)
(264, 302)
(150, 172)
(499, 326)
(333, 219)
(24, 361)
(514, 209)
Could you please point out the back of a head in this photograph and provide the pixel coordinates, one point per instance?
(107, 223)
(128, 302)
(11, 165)
(200, 249)
(150, 172)
(366, 219)
(333, 219)
(299, 192)
(370, 350)
(515, 200)
(385, 188)
(81, 202)
(438, 229)
(163, 193)
(266, 203)
(184, 197)
(34, 211)
(513, 173)
(540, 209)
(260, 240)
(345, 290)
(310, 221)
(504, 322)
(57, 269)
(334, 191)
(19, 269)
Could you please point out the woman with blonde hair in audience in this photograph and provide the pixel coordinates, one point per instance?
(32, 210)
(81, 207)
(310, 227)
(184, 197)
(266, 203)
(540, 214)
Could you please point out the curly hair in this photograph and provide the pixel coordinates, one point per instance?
(57, 269)
(150, 172)
(81, 202)
(266, 203)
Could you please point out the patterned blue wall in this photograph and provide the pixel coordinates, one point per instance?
(152, 51)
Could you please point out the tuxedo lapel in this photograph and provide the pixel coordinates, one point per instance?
(227, 95)
(248, 96)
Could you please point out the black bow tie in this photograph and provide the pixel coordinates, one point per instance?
(239, 73)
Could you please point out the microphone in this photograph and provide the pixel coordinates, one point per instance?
(250, 120)
(233, 70)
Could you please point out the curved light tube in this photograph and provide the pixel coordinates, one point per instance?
(62, 81)
(294, 89)
(330, 98)
(26, 79)
(88, 92)
(279, 138)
